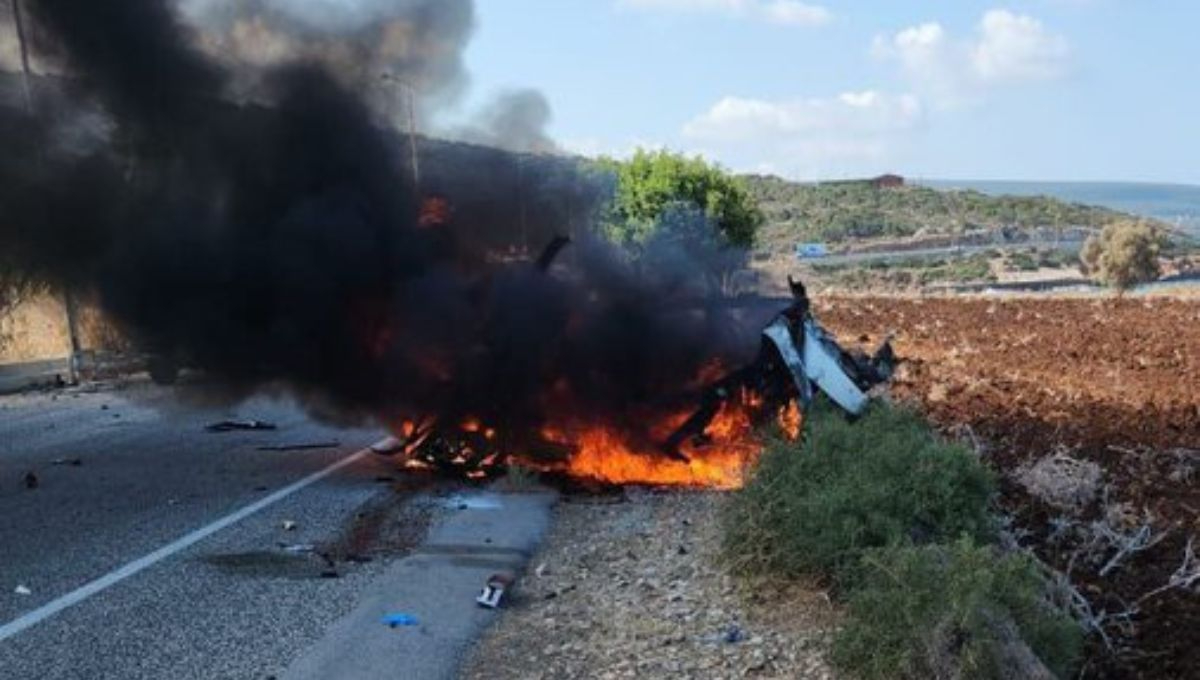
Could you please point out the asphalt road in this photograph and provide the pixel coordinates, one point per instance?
(177, 537)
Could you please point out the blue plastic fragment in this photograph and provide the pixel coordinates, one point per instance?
(393, 620)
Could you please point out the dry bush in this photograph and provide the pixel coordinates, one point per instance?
(1061, 481)
(1123, 255)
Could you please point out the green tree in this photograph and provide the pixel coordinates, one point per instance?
(1124, 254)
(654, 184)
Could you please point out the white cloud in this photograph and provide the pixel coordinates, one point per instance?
(781, 12)
(686, 5)
(851, 133)
(1007, 48)
(795, 13)
(1015, 47)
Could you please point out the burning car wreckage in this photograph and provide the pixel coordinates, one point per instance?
(796, 359)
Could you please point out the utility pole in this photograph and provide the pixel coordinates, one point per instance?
(20, 26)
(521, 201)
(410, 112)
(27, 90)
(411, 99)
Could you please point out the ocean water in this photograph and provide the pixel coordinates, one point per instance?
(1177, 204)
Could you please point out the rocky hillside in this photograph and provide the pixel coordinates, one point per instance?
(836, 212)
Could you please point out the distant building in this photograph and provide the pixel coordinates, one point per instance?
(887, 182)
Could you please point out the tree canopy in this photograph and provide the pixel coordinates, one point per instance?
(1123, 255)
(657, 186)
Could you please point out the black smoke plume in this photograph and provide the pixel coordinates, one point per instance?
(285, 241)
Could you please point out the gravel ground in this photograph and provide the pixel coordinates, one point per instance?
(628, 586)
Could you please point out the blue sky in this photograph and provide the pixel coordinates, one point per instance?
(1040, 89)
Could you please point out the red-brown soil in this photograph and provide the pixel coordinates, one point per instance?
(1114, 381)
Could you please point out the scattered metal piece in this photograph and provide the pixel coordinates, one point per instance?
(233, 425)
(395, 620)
(388, 447)
(734, 634)
(304, 446)
(73, 462)
(298, 548)
(493, 590)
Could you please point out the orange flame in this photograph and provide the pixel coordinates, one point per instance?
(791, 420)
(719, 459)
(605, 457)
(603, 454)
(435, 212)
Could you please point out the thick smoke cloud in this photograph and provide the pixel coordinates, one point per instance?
(285, 242)
(385, 50)
(515, 120)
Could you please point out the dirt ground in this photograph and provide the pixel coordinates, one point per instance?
(1105, 381)
(628, 586)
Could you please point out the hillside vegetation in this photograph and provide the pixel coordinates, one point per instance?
(841, 211)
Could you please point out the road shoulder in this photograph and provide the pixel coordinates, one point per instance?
(628, 586)
(474, 535)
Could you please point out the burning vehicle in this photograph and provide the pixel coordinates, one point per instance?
(710, 444)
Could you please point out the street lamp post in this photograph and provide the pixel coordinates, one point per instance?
(27, 90)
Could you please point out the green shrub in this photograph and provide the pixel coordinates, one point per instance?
(1123, 255)
(938, 611)
(1022, 261)
(886, 479)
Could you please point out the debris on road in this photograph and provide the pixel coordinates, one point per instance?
(471, 502)
(298, 548)
(395, 620)
(73, 462)
(288, 525)
(304, 446)
(493, 590)
(387, 447)
(31, 481)
(621, 602)
(235, 425)
(733, 634)
(22, 590)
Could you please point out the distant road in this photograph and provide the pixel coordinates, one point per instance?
(1065, 245)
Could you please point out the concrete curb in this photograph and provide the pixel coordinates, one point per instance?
(480, 534)
(22, 376)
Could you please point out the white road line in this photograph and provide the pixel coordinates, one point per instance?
(114, 577)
